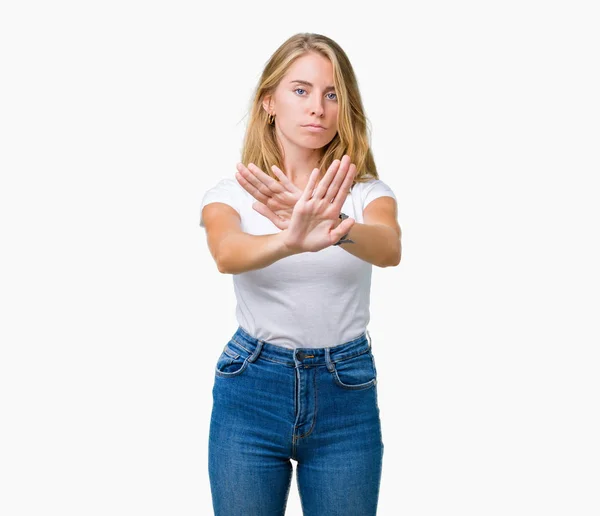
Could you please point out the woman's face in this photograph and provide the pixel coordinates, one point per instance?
(305, 96)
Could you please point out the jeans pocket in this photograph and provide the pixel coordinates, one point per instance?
(230, 363)
(357, 372)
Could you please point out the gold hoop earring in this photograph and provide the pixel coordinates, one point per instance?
(270, 119)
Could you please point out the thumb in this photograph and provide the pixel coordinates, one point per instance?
(343, 228)
(266, 212)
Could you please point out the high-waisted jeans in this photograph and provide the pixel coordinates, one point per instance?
(317, 406)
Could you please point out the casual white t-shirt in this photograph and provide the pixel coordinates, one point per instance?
(307, 300)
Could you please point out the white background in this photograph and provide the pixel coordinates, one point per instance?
(116, 117)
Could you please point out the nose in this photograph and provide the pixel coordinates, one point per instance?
(317, 108)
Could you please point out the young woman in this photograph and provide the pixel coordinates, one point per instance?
(300, 228)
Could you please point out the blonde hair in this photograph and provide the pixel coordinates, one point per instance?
(260, 143)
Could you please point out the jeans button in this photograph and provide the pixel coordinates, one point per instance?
(300, 355)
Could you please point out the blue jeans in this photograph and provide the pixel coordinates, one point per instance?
(317, 406)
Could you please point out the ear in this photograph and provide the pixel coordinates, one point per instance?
(267, 103)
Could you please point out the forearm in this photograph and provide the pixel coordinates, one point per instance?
(242, 252)
(374, 243)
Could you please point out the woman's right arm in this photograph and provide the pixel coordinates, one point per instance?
(235, 251)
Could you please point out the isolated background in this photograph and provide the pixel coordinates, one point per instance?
(116, 117)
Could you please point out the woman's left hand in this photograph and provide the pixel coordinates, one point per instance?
(275, 199)
(315, 221)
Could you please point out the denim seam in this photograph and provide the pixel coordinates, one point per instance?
(240, 345)
(231, 353)
(296, 387)
(357, 387)
(351, 356)
(315, 411)
(290, 364)
(232, 373)
(264, 358)
(287, 493)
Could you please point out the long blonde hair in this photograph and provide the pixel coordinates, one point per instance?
(260, 142)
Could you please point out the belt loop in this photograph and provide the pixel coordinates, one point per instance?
(328, 363)
(254, 356)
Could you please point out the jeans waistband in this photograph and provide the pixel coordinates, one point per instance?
(244, 343)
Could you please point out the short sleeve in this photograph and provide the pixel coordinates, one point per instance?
(374, 189)
(225, 191)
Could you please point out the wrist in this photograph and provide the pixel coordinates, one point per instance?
(344, 239)
(287, 248)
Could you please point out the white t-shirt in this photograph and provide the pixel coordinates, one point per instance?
(307, 300)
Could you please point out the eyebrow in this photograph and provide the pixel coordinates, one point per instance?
(310, 84)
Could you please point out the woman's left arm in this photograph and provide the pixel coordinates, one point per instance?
(378, 239)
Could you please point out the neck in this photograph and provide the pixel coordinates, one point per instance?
(298, 162)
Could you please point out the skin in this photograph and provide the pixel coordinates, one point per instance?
(311, 218)
(296, 104)
(315, 219)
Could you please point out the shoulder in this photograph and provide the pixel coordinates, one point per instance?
(227, 184)
(228, 191)
(372, 189)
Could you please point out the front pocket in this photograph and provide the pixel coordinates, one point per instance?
(228, 351)
(230, 363)
(356, 373)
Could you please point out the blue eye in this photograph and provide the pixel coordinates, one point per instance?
(331, 93)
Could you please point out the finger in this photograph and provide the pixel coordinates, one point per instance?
(312, 194)
(266, 212)
(344, 227)
(337, 180)
(249, 187)
(264, 179)
(250, 176)
(308, 190)
(344, 189)
(283, 179)
(329, 184)
(322, 188)
(255, 186)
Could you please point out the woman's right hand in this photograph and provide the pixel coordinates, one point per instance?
(275, 200)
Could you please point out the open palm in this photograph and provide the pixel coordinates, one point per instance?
(313, 225)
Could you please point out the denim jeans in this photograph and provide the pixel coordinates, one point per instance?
(317, 406)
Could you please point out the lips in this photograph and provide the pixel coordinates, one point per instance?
(314, 125)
